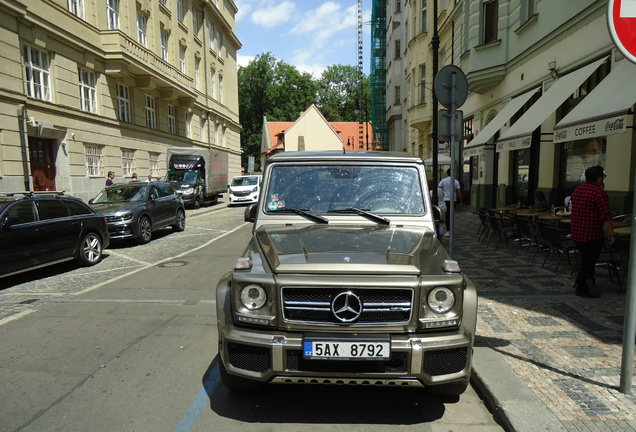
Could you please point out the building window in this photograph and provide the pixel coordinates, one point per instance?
(172, 120)
(88, 90)
(223, 143)
(195, 21)
(180, 10)
(398, 6)
(36, 65)
(211, 35)
(422, 84)
(216, 134)
(112, 12)
(142, 26)
(163, 2)
(197, 75)
(94, 157)
(219, 42)
(151, 115)
(423, 17)
(213, 83)
(397, 96)
(490, 18)
(202, 129)
(182, 58)
(128, 162)
(527, 10)
(124, 113)
(221, 89)
(398, 49)
(153, 162)
(188, 125)
(164, 45)
(76, 7)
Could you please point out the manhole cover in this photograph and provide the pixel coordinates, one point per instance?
(173, 264)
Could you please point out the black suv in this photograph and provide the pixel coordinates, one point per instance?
(40, 229)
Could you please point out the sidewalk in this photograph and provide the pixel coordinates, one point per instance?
(545, 359)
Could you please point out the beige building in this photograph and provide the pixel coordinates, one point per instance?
(91, 86)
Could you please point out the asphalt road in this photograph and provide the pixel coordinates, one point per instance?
(130, 345)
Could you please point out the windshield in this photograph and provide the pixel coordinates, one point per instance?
(329, 188)
(123, 193)
(182, 176)
(245, 181)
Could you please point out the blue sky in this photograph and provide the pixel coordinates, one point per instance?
(309, 34)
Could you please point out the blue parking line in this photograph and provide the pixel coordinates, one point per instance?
(200, 403)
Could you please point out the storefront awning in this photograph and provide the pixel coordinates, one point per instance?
(514, 105)
(603, 111)
(519, 136)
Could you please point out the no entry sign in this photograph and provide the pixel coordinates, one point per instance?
(621, 20)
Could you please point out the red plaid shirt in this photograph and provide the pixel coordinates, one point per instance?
(590, 209)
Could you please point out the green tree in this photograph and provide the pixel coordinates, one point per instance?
(343, 94)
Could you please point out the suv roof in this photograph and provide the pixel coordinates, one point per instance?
(342, 156)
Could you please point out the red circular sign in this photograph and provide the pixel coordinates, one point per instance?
(621, 19)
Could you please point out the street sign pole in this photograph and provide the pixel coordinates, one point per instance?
(621, 23)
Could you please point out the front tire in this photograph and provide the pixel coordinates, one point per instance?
(236, 383)
(179, 224)
(144, 229)
(90, 250)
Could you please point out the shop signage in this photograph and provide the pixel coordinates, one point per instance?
(514, 144)
(621, 21)
(591, 129)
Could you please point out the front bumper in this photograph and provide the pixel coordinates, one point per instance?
(122, 230)
(243, 199)
(416, 360)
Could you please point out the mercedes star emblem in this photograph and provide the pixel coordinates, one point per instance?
(346, 306)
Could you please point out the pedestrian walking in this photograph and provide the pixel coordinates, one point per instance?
(591, 220)
(109, 179)
(451, 194)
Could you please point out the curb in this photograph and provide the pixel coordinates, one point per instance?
(512, 403)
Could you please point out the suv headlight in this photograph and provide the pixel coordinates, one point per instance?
(253, 297)
(441, 300)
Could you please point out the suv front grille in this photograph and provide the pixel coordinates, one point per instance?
(378, 305)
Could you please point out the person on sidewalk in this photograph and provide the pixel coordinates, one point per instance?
(453, 194)
(109, 178)
(590, 216)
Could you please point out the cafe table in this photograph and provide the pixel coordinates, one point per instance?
(624, 231)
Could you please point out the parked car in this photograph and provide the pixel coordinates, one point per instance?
(135, 210)
(244, 189)
(41, 229)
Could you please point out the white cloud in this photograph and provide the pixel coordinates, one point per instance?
(242, 60)
(244, 8)
(272, 15)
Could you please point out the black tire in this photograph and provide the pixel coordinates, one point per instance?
(90, 250)
(180, 222)
(236, 383)
(197, 203)
(144, 230)
(450, 389)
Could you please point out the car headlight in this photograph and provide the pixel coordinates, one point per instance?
(188, 191)
(441, 299)
(254, 189)
(253, 297)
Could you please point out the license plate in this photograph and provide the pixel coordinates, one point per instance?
(339, 350)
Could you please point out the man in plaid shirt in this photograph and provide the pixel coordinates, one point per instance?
(591, 218)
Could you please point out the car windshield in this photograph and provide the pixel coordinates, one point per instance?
(123, 193)
(245, 181)
(181, 176)
(345, 188)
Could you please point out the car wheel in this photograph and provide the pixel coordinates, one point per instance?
(197, 203)
(144, 229)
(236, 383)
(179, 224)
(90, 250)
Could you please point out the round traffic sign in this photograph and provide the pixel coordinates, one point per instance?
(443, 86)
(621, 20)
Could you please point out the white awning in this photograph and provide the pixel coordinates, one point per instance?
(441, 160)
(519, 136)
(604, 111)
(514, 105)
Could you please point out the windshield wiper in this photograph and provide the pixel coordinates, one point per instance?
(363, 212)
(302, 212)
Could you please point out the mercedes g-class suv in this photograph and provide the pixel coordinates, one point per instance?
(345, 281)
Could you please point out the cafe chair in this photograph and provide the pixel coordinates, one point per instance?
(558, 243)
(501, 226)
(611, 259)
(527, 235)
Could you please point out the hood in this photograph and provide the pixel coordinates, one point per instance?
(111, 209)
(350, 250)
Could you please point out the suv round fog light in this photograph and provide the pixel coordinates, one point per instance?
(441, 299)
(253, 297)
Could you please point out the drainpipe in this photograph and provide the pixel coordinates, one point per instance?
(23, 145)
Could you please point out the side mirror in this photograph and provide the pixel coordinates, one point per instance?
(250, 213)
(152, 197)
(90, 201)
(437, 214)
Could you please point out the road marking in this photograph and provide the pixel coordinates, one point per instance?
(16, 316)
(101, 284)
(200, 403)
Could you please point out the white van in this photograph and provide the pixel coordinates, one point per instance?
(244, 189)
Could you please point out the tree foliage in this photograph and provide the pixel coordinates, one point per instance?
(272, 89)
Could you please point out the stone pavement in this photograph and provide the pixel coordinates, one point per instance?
(545, 359)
